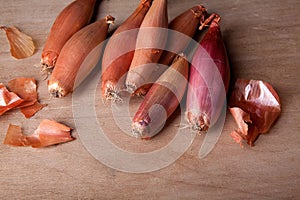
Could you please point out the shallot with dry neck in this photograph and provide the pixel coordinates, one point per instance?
(78, 57)
(208, 79)
(182, 29)
(70, 20)
(119, 52)
(151, 40)
(162, 100)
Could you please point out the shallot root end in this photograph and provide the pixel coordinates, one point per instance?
(56, 91)
(198, 123)
(139, 129)
(112, 94)
(46, 71)
(130, 87)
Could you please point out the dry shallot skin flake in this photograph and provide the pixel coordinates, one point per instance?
(48, 133)
(8, 100)
(70, 20)
(208, 79)
(26, 88)
(29, 111)
(15, 137)
(115, 66)
(21, 45)
(255, 106)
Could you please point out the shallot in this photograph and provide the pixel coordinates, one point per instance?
(70, 20)
(208, 79)
(78, 57)
(114, 67)
(162, 100)
(153, 33)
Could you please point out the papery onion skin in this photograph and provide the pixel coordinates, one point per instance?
(29, 111)
(26, 88)
(8, 100)
(15, 137)
(48, 133)
(259, 102)
(21, 44)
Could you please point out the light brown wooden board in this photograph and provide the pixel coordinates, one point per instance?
(262, 38)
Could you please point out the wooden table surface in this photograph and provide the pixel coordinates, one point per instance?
(262, 38)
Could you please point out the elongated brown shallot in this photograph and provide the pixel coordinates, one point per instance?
(208, 79)
(74, 53)
(114, 66)
(70, 20)
(186, 23)
(21, 45)
(150, 35)
(166, 92)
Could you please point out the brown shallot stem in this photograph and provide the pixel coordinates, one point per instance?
(213, 17)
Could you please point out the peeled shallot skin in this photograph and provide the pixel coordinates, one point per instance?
(48, 133)
(21, 44)
(255, 106)
(8, 100)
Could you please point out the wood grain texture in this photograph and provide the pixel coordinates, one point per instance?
(262, 38)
